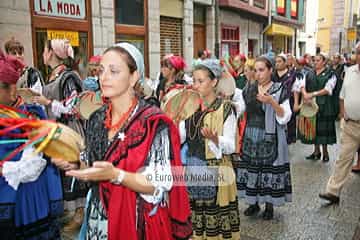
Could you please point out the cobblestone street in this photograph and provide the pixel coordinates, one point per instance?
(307, 217)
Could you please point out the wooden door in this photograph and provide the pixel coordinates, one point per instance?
(199, 38)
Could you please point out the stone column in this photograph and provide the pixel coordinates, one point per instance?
(15, 21)
(188, 30)
(210, 29)
(103, 23)
(154, 37)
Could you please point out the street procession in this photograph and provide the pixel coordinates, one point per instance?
(180, 119)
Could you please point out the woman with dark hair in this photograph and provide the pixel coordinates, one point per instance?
(30, 76)
(172, 69)
(58, 97)
(30, 186)
(131, 148)
(210, 136)
(263, 175)
(326, 91)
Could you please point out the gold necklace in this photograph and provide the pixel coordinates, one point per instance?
(199, 122)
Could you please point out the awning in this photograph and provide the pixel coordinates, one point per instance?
(277, 29)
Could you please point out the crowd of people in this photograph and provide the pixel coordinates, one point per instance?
(239, 138)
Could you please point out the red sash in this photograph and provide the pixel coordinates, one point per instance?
(120, 202)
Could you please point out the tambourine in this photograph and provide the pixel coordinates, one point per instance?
(226, 85)
(309, 109)
(65, 143)
(54, 139)
(88, 103)
(181, 103)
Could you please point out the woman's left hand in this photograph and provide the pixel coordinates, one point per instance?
(100, 171)
(207, 133)
(41, 100)
(264, 98)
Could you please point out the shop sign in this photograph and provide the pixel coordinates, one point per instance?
(61, 8)
(351, 34)
(72, 36)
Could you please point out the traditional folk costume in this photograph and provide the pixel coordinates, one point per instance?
(214, 205)
(328, 107)
(31, 78)
(288, 79)
(30, 187)
(211, 203)
(306, 129)
(62, 89)
(264, 175)
(148, 140)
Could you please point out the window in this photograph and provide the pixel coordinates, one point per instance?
(281, 7)
(230, 40)
(129, 12)
(294, 9)
(199, 14)
(260, 3)
(131, 25)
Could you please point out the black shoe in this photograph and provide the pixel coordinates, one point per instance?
(252, 210)
(330, 197)
(268, 214)
(326, 158)
(314, 156)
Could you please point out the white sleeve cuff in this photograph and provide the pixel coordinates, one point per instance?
(239, 102)
(330, 85)
(10, 172)
(287, 113)
(27, 169)
(161, 178)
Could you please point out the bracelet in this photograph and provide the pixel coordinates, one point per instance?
(119, 178)
(315, 93)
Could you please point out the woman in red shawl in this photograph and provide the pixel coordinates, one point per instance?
(129, 144)
(172, 69)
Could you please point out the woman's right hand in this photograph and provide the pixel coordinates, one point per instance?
(64, 165)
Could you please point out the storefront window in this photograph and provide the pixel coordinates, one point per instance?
(80, 53)
(129, 12)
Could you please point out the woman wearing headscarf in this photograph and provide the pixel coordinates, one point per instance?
(30, 186)
(287, 76)
(172, 69)
(130, 148)
(326, 91)
(263, 175)
(59, 97)
(210, 136)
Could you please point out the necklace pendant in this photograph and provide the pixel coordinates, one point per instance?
(121, 136)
